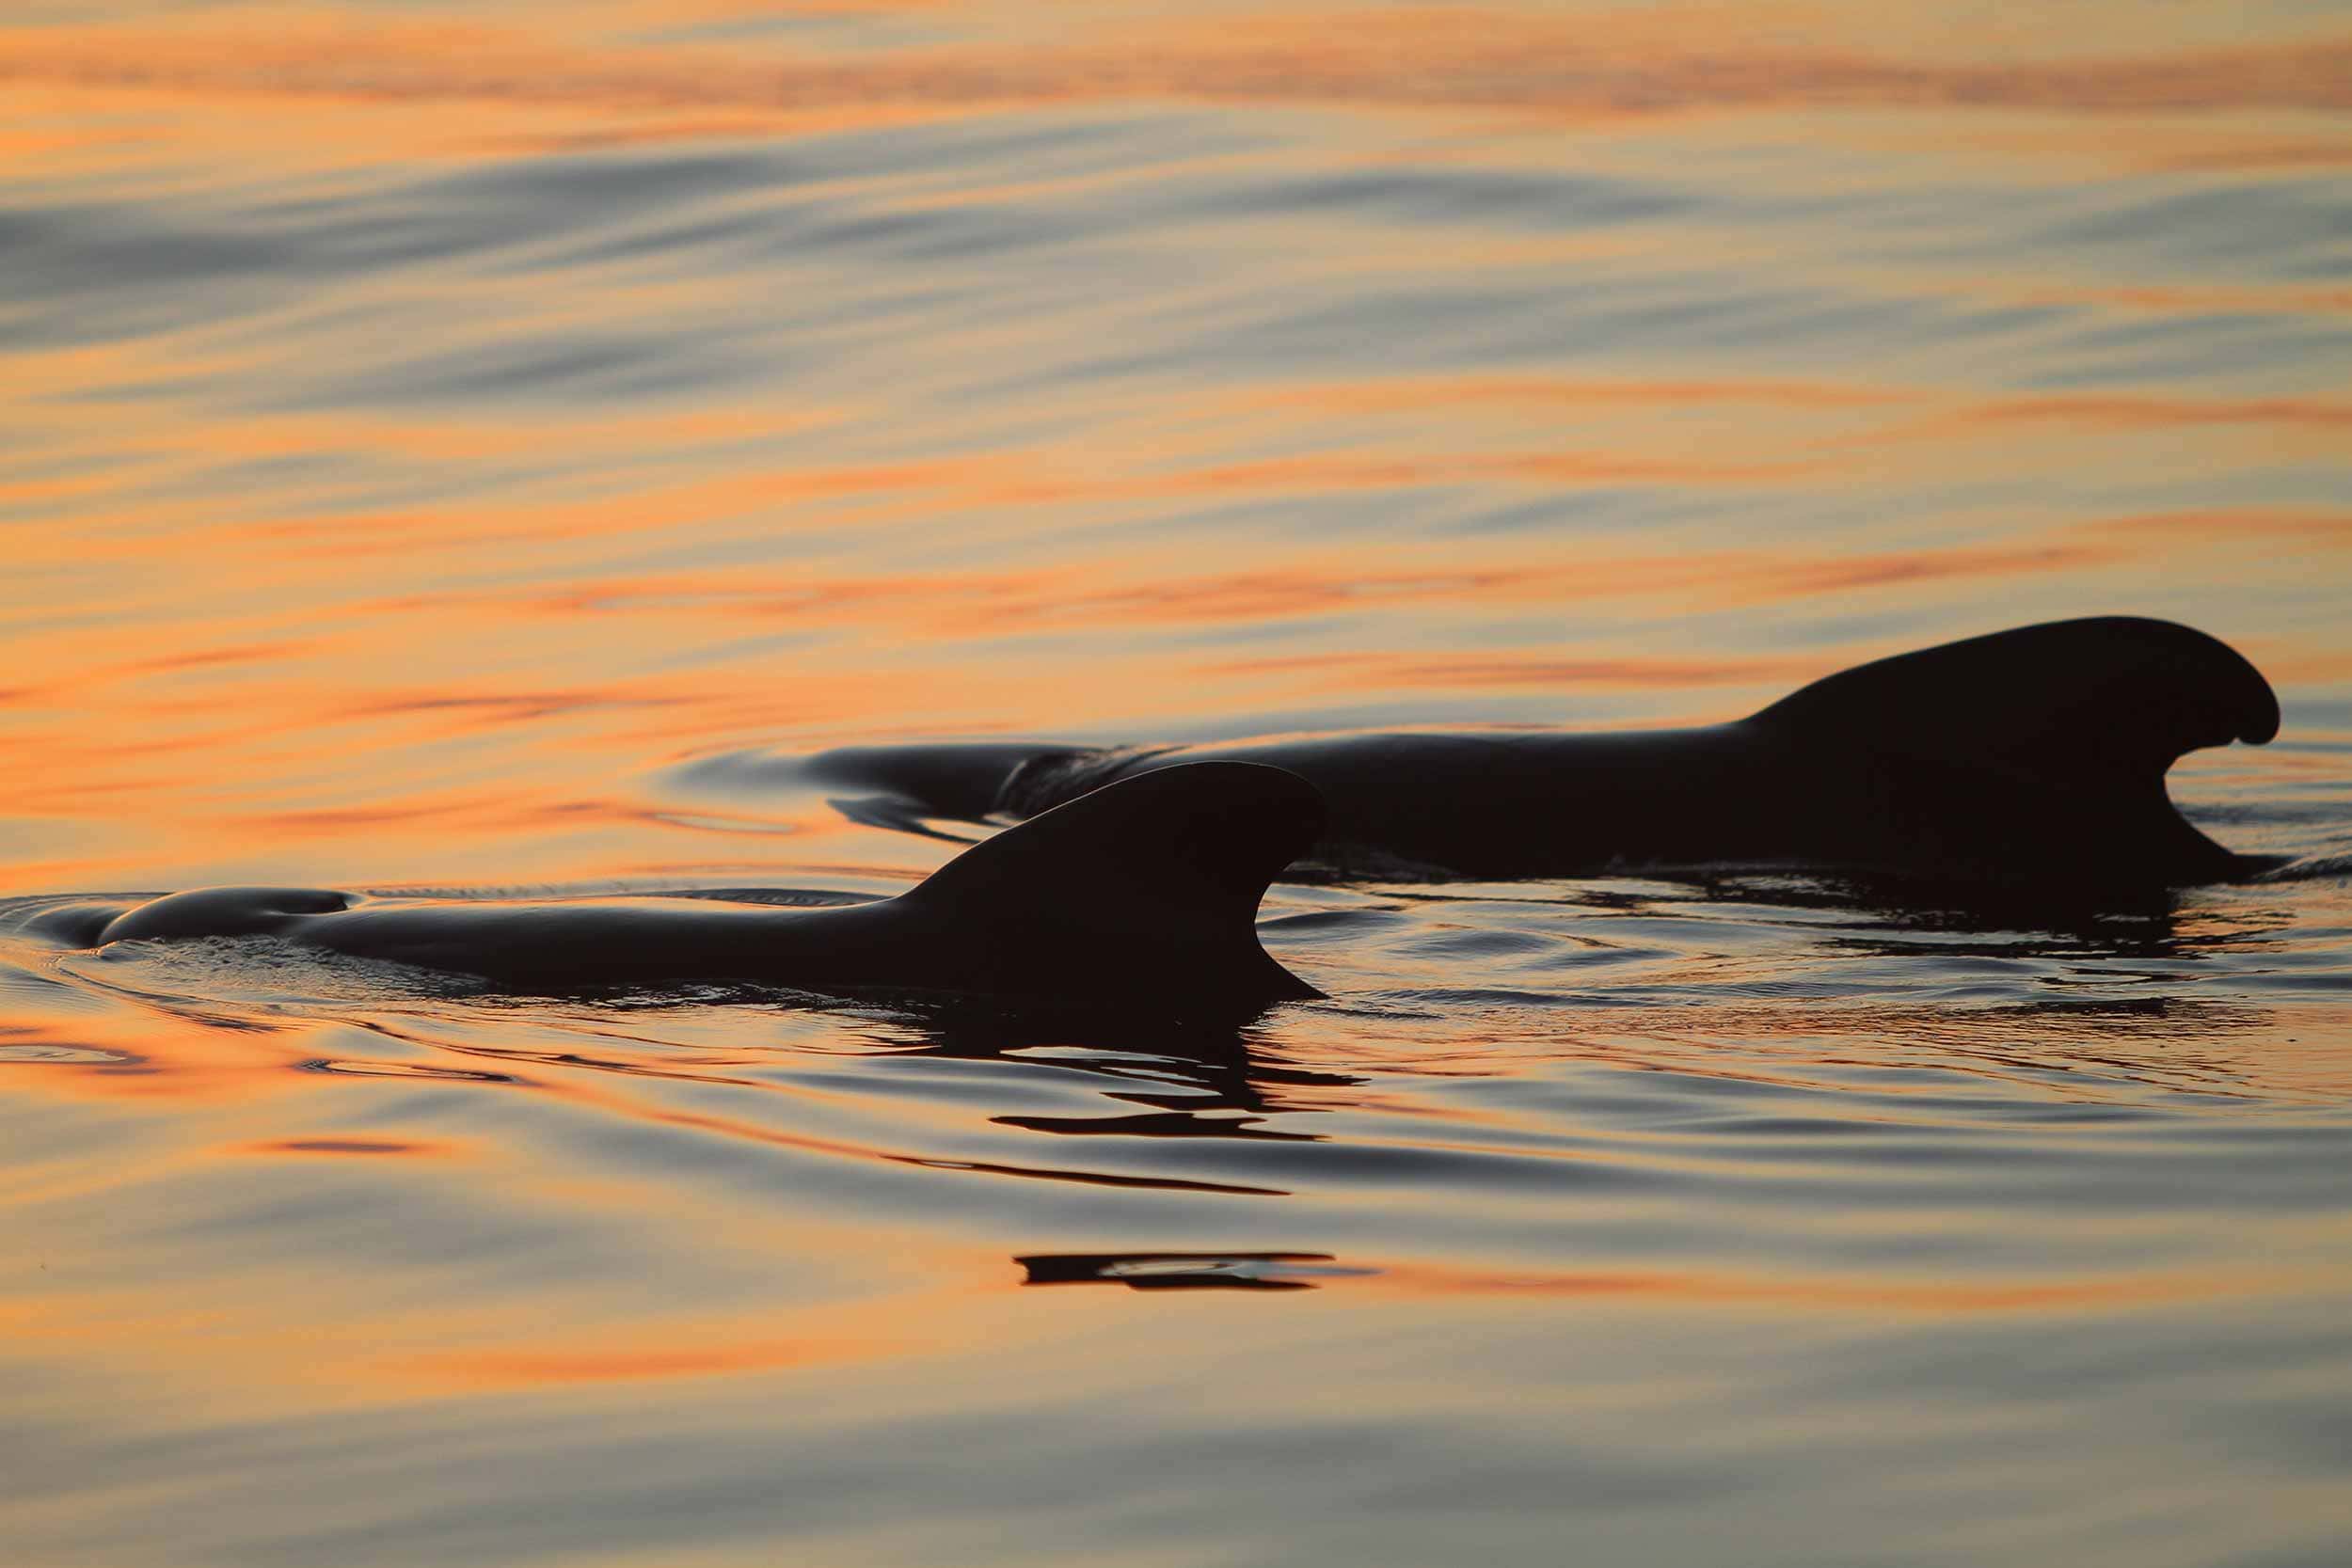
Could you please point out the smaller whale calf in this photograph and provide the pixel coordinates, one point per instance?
(1147, 888)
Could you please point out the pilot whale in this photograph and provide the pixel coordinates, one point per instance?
(2034, 755)
(1147, 887)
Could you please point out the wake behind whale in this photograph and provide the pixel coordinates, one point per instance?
(2034, 757)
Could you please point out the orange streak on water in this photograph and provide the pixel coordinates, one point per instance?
(291, 1338)
(1577, 67)
(2323, 530)
(366, 1147)
(1423, 396)
(2187, 299)
(1418, 394)
(2166, 413)
(713, 1355)
(2059, 143)
(1381, 671)
(1939, 1297)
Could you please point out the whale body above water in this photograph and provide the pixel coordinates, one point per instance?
(2035, 755)
(1146, 888)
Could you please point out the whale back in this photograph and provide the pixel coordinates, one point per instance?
(1149, 886)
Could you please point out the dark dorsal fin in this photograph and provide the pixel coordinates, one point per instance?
(2036, 753)
(1154, 878)
(2105, 700)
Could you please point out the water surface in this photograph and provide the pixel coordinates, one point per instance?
(432, 434)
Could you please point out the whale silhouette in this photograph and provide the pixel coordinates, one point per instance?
(2034, 755)
(1149, 886)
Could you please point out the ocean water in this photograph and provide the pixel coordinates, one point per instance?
(431, 432)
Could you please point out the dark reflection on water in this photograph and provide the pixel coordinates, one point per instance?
(1156, 1124)
(403, 1070)
(1180, 1271)
(1181, 1068)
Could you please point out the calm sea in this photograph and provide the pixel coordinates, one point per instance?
(428, 429)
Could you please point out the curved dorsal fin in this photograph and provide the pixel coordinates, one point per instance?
(1155, 878)
(2105, 699)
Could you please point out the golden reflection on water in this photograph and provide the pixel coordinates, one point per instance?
(274, 666)
(910, 1294)
(305, 701)
(1580, 67)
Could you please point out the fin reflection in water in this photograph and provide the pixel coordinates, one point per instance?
(1183, 1271)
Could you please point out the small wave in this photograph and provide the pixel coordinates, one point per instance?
(2312, 868)
(351, 1068)
(256, 970)
(47, 1053)
(1045, 781)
